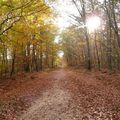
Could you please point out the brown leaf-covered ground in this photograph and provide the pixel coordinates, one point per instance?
(62, 94)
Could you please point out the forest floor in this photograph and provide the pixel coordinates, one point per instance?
(62, 94)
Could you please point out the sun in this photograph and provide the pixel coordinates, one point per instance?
(93, 23)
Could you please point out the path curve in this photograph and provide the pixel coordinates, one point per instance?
(77, 95)
(53, 103)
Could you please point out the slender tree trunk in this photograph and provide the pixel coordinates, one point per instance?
(97, 53)
(109, 48)
(13, 63)
(41, 56)
(88, 50)
(34, 58)
(27, 56)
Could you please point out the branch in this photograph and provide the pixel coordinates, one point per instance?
(9, 27)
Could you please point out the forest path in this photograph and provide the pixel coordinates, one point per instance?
(54, 103)
(77, 95)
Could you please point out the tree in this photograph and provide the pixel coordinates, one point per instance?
(26, 36)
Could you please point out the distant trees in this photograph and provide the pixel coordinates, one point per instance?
(26, 36)
(100, 48)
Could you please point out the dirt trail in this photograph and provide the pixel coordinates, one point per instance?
(53, 103)
(74, 95)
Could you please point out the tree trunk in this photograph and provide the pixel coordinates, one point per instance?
(13, 63)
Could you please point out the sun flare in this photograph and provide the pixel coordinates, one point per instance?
(93, 23)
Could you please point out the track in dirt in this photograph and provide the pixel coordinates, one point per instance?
(75, 95)
(53, 103)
